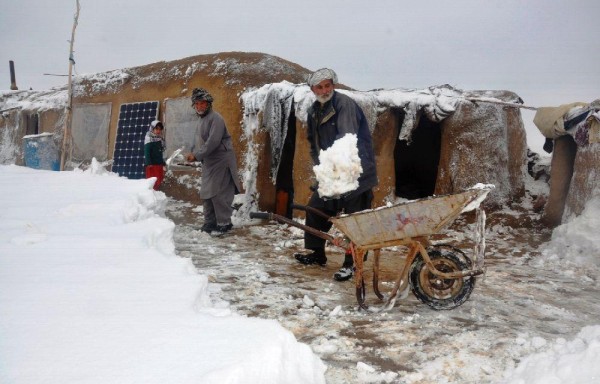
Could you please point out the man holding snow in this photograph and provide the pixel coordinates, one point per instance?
(331, 117)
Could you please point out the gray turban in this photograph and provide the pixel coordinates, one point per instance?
(199, 94)
(321, 74)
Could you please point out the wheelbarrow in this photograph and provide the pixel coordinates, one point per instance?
(440, 276)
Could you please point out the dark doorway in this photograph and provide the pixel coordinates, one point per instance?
(284, 183)
(416, 164)
(32, 125)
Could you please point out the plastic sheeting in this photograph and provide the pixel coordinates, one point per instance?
(180, 124)
(89, 128)
(276, 113)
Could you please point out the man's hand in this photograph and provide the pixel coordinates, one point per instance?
(190, 157)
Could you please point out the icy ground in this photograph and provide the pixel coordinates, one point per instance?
(516, 309)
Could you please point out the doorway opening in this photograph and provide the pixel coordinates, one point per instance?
(284, 183)
(416, 164)
(31, 121)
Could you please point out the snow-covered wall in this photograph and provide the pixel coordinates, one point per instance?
(41, 110)
(483, 142)
(585, 183)
(10, 138)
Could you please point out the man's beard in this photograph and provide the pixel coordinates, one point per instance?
(205, 112)
(324, 98)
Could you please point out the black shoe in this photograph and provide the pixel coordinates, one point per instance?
(208, 227)
(312, 258)
(224, 228)
(344, 273)
(220, 230)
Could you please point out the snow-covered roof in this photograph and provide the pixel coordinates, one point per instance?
(55, 98)
(436, 102)
(238, 69)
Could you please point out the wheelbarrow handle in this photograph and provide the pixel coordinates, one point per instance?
(306, 208)
(285, 220)
(260, 215)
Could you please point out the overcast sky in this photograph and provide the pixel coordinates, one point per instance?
(548, 52)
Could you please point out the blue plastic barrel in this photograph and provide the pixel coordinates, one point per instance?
(41, 152)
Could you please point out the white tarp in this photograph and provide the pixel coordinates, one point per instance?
(180, 123)
(89, 129)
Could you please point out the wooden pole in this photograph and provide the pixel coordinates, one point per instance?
(69, 110)
(496, 101)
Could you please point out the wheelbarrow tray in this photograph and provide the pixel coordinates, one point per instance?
(384, 226)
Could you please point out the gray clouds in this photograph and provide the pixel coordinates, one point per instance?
(547, 52)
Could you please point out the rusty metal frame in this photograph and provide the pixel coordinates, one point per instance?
(416, 245)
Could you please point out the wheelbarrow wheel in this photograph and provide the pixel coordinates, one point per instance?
(456, 251)
(438, 293)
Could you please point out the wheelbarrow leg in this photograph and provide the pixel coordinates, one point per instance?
(402, 281)
(357, 255)
(376, 253)
(360, 295)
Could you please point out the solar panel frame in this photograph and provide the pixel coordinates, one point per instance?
(134, 121)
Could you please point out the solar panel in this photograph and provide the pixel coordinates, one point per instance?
(134, 121)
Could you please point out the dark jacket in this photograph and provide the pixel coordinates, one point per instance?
(339, 116)
(153, 153)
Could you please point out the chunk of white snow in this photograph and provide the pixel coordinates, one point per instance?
(339, 167)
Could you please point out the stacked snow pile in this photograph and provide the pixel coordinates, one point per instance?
(339, 167)
(91, 290)
(575, 244)
(572, 362)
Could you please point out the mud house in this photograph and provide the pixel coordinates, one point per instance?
(429, 141)
(573, 130)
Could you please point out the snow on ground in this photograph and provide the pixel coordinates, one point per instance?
(512, 327)
(97, 286)
(575, 245)
(92, 291)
